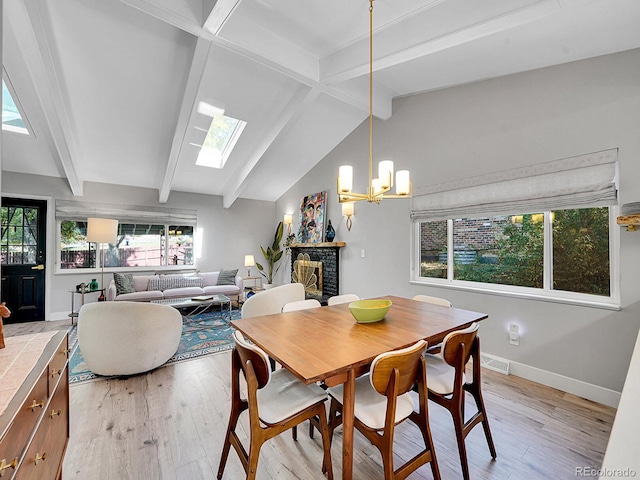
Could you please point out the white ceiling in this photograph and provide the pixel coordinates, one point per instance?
(110, 87)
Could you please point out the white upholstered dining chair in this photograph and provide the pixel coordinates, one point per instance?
(344, 298)
(433, 300)
(301, 305)
(277, 401)
(448, 383)
(271, 301)
(383, 400)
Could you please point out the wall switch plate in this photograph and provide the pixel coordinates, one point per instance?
(514, 336)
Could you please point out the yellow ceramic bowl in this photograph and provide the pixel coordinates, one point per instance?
(368, 311)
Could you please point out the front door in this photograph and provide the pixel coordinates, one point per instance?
(22, 253)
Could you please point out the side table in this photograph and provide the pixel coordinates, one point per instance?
(251, 290)
(74, 313)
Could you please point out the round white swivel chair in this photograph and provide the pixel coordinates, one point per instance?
(125, 338)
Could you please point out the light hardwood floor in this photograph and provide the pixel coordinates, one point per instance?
(170, 424)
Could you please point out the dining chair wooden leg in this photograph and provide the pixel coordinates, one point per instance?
(326, 444)
(254, 454)
(458, 423)
(425, 430)
(335, 420)
(477, 396)
(233, 421)
(237, 407)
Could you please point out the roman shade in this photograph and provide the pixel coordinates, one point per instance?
(80, 211)
(588, 180)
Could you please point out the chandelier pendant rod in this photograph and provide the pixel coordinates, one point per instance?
(374, 193)
(370, 196)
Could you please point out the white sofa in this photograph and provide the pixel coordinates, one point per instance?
(125, 338)
(143, 293)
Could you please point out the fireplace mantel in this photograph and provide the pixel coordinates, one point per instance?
(319, 245)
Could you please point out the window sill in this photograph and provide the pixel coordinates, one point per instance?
(543, 296)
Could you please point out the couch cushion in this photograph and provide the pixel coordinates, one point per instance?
(183, 292)
(141, 282)
(210, 278)
(143, 296)
(124, 283)
(227, 277)
(227, 290)
(166, 282)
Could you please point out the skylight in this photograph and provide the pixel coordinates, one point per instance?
(11, 119)
(221, 137)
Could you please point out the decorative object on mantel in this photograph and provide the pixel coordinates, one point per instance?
(331, 233)
(630, 216)
(272, 255)
(312, 208)
(378, 187)
(4, 313)
(348, 211)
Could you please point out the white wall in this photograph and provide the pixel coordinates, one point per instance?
(489, 126)
(228, 234)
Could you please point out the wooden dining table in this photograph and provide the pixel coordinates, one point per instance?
(327, 344)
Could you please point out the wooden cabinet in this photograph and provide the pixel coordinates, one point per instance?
(34, 427)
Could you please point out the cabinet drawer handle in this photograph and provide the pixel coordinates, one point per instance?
(4, 465)
(55, 413)
(56, 372)
(35, 405)
(39, 457)
(66, 351)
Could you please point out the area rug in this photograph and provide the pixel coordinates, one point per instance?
(202, 334)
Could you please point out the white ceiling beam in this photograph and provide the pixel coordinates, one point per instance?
(198, 64)
(33, 42)
(219, 15)
(299, 102)
(404, 41)
(358, 99)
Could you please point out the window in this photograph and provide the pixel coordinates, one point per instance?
(19, 243)
(221, 137)
(138, 245)
(545, 230)
(12, 121)
(561, 253)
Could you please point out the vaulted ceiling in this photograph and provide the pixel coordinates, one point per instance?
(110, 88)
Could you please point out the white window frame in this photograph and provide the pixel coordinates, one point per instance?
(150, 268)
(546, 293)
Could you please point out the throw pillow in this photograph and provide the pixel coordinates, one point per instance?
(227, 277)
(166, 282)
(124, 283)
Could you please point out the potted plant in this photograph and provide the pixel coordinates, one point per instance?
(272, 254)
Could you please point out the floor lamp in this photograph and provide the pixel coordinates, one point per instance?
(102, 230)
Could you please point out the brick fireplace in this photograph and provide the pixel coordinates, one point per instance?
(317, 266)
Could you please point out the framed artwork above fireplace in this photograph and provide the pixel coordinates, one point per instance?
(312, 218)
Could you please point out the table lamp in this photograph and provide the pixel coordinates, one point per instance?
(249, 262)
(99, 231)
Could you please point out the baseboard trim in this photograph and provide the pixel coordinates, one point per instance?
(582, 389)
(59, 315)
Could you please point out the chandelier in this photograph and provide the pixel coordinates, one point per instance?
(378, 187)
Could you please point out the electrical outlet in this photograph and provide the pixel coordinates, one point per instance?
(514, 336)
(362, 253)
